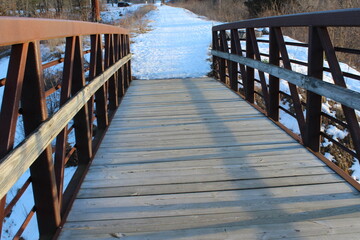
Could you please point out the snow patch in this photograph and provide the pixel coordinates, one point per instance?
(114, 13)
(177, 47)
(336, 133)
(329, 156)
(356, 170)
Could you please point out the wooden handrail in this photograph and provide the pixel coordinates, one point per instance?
(14, 164)
(235, 67)
(109, 77)
(339, 94)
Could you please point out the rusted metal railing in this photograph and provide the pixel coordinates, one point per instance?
(87, 99)
(256, 73)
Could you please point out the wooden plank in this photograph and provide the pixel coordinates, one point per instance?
(317, 229)
(242, 145)
(255, 164)
(182, 111)
(182, 137)
(203, 117)
(193, 187)
(194, 176)
(339, 94)
(103, 210)
(213, 104)
(204, 126)
(171, 114)
(118, 171)
(289, 194)
(270, 160)
(170, 168)
(106, 157)
(135, 134)
(140, 91)
(209, 221)
(303, 159)
(211, 141)
(14, 164)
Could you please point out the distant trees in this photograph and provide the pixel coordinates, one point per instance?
(68, 9)
(255, 7)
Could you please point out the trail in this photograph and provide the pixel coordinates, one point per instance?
(176, 47)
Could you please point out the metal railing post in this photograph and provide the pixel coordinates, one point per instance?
(81, 119)
(42, 172)
(222, 62)
(216, 60)
(249, 83)
(313, 101)
(274, 86)
(233, 66)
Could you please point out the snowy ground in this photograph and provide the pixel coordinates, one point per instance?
(177, 46)
(112, 13)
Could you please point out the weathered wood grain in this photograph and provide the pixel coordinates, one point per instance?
(188, 159)
(14, 164)
(349, 228)
(192, 187)
(339, 94)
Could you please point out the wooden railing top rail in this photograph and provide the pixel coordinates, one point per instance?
(343, 17)
(254, 68)
(16, 30)
(15, 163)
(337, 93)
(81, 104)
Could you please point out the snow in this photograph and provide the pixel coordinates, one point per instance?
(114, 13)
(300, 54)
(288, 120)
(23, 207)
(329, 156)
(356, 170)
(336, 133)
(4, 62)
(326, 108)
(176, 47)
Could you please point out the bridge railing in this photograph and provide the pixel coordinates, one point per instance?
(266, 73)
(85, 96)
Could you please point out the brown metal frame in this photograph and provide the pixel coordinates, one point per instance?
(319, 45)
(24, 86)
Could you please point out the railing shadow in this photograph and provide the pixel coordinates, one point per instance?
(258, 219)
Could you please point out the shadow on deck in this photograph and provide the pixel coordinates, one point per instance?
(189, 159)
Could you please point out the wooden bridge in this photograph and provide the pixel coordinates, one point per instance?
(182, 158)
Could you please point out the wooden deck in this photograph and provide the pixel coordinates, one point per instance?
(188, 159)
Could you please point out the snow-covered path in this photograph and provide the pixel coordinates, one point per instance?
(176, 47)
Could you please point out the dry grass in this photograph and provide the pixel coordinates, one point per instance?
(341, 36)
(232, 10)
(227, 11)
(137, 21)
